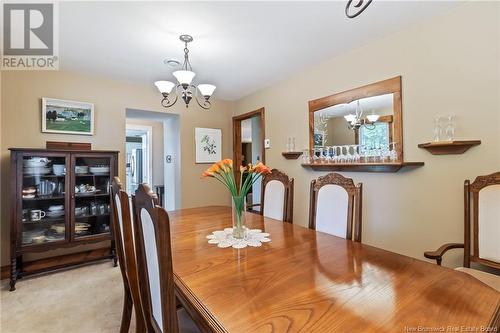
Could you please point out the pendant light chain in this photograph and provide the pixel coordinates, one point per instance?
(186, 58)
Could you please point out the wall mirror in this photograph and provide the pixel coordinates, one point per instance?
(361, 126)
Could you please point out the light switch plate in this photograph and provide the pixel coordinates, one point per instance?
(267, 143)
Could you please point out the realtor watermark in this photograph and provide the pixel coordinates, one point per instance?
(450, 329)
(30, 36)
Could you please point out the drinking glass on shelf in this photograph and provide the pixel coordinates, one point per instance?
(293, 143)
(450, 128)
(289, 144)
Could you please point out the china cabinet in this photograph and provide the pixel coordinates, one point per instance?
(59, 198)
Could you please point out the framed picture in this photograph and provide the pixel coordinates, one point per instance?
(319, 139)
(208, 145)
(67, 117)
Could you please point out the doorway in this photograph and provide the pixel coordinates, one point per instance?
(248, 143)
(138, 156)
(153, 154)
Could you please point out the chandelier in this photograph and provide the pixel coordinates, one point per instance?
(356, 120)
(171, 91)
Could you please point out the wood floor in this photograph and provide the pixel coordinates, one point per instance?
(82, 300)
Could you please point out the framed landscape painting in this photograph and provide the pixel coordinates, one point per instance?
(208, 145)
(67, 117)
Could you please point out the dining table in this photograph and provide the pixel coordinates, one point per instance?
(309, 281)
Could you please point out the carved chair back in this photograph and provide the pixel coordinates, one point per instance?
(335, 206)
(277, 196)
(154, 261)
(482, 221)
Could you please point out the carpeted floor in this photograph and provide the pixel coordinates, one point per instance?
(87, 299)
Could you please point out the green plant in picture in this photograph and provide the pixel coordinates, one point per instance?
(223, 172)
(208, 145)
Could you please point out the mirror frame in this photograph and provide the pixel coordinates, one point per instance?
(389, 86)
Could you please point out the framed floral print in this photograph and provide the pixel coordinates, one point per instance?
(208, 145)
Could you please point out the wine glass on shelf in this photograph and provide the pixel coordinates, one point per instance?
(362, 153)
(305, 156)
(385, 153)
(341, 155)
(348, 153)
(356, 153)
(393, 155)
(331, 154)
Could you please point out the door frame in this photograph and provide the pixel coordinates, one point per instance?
(237, 152)
(148, 144)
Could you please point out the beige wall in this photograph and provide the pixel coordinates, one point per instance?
(449, 65)
(338, 133)
(21, 93)
(157, 147)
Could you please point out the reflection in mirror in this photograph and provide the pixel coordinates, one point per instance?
(356, 127)
(367, 122)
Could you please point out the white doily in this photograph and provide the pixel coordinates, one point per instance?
(224, 238)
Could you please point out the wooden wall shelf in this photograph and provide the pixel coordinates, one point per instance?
(291, 155)
(362, 167)
(449, 147)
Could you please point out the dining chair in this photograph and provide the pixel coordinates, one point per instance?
(154, 263)
(335, 206)
(124, 240)
(276, 196)
(481, 230)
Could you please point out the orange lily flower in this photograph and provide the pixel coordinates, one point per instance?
(261, 168)
(207, 174)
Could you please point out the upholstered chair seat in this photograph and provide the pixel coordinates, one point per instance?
(489, 279)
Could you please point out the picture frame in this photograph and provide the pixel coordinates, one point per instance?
(67, 117)
(208, 145)
(319, 139)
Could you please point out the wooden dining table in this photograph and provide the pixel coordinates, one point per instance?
(308, 281)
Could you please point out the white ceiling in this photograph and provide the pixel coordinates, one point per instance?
(240, 47)
(373, 104)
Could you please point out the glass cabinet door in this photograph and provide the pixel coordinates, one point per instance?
(92, 180)
(43, 204)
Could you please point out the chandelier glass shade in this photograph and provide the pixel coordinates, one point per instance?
(184, 88)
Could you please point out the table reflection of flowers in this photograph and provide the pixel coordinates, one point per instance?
(223, 172)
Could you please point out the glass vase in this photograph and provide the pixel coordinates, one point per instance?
(238, 205)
